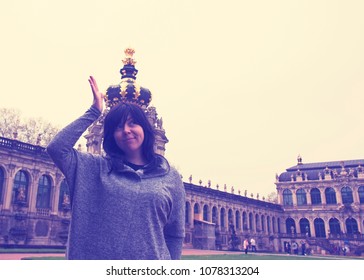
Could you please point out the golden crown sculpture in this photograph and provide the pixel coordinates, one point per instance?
(128, 91)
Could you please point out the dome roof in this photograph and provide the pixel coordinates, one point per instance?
(312, 171)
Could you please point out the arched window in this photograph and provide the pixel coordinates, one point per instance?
(305, 227)
(2, 183)
(334, 226)
(196, 208)
(319, 227)
(64, 197)
(237, 219)
(274, 225)
(214, 215)
(315, 196)
(287, 198)
(268, 225)
(351, 226)
(245, 221)
(187, 211)
(251, 224)
(360, 192)
(290, 226)
(205, 212)
(257, 227)
(330, 196)
(44, 192)
(263, 223)
(230, 216)
(222, 217)
(278, 225)
(347, 195)
(20, 188)
(301, 197)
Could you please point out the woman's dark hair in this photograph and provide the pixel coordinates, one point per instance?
(117, 116)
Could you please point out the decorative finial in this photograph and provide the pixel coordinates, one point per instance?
(39, 138)
(129, 60)
(299, 159)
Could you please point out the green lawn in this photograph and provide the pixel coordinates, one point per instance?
(227, 257)
(241, 256)
(253, 257)
(30, 250)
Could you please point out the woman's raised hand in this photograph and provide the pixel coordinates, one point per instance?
(98, 101)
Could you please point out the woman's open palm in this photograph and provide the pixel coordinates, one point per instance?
(98, 101)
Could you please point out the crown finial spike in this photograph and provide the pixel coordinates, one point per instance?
(129, 60)
(129, 70)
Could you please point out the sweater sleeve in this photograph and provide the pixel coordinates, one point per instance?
(174, 231)
(61, 150)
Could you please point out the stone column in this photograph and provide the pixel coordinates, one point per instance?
(218, 209)
(323, 197)
(356, 195)
(8, 186)
(308, 196)
(33, 190)
(280, 197)
(56, 193)
(343, 225)
(338, 196)
(294, 198)
(312, 227)
(327, 227)
(209, 214)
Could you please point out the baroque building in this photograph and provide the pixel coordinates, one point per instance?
(321, 204)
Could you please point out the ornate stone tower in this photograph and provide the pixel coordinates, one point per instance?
(128, 90)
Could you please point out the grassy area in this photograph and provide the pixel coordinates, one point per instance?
(241, 256)
(253, 257)
(226, 257)
(43, 258)
(30, 250)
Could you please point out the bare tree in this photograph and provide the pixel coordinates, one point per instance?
(272, 197)
(36, 131)
(9, 122)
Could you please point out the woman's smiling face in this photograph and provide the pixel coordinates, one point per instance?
(129, 138)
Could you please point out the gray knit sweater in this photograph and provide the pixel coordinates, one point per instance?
(118, 213)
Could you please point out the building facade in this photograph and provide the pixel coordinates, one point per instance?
(323, 203)
(319, 204)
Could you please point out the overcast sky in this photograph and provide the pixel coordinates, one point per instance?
(243, 87)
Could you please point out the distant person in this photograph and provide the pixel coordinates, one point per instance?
(288, 247)
(253, 244)
(246, 245)
(303, 248)
(129, 204)
(295, 247)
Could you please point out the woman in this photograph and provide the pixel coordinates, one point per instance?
(127, 205)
